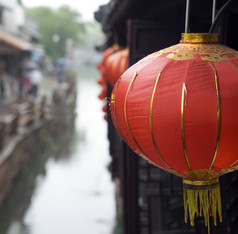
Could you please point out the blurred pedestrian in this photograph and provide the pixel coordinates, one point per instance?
(60, 73)
(61, 65)
(26, 81)
(35, 78)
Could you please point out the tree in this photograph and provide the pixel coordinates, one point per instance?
(57, 27)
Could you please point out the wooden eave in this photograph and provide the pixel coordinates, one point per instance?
(12, 44)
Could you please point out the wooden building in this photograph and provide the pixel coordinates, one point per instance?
(152, 200)
(18, 40)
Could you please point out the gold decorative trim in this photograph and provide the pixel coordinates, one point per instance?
(228, 170)
(201, 174)
(210, 52)
(184, 102)
(206, 174)
(170, 169)
(202, 200)
(115, 46)
(232, 165)
(151, 130)
(218, 116)
(201, 183)
(123, 64)
(125, 52)
(125, 113)
(235, 64)
(113, 100)
(199, 37)
(114, 64)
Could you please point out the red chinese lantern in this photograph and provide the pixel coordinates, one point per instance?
(178, 109)
(105, 117)
(101, 81)
(101, 67)
(104, 109)
(106, 54)
(103, 94)
(115, 66)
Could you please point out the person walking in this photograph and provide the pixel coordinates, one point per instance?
(36, 78)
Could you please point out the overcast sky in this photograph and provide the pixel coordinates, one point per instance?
(85, 7)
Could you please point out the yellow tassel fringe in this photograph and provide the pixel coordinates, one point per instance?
(202, 198)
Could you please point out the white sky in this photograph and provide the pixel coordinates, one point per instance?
(85, 7)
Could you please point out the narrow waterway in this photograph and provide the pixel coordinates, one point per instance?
(69, 192)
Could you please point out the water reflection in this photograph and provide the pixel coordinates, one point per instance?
(66, 188)
(13, 209)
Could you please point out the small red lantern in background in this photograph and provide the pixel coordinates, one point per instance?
(105, 117)
(109, 51)
(103, 84)
(103, 94)
(115, 66)
(178, 109)
(101, 67)
(104, 109)
(114, 63)
(101, 81)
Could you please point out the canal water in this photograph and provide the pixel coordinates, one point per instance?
(67, 189)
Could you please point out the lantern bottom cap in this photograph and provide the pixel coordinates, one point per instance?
(200, 183)
(202, 198)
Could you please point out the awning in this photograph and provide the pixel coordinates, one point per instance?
(12, 44)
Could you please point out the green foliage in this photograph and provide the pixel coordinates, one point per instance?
(56, 27)
(93, 34)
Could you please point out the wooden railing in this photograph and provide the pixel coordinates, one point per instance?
(21, 116)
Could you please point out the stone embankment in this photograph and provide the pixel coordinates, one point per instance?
(20, 122)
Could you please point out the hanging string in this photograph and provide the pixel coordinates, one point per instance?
(214, 10)
(187, 16)
(215, 17)
(214, 23)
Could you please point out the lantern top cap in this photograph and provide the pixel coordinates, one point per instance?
(200, 38)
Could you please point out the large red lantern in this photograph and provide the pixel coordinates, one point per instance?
(115, 66)
(178, 109)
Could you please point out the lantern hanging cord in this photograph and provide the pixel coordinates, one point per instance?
(187, 16)
(214, 23)
(214, 10)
